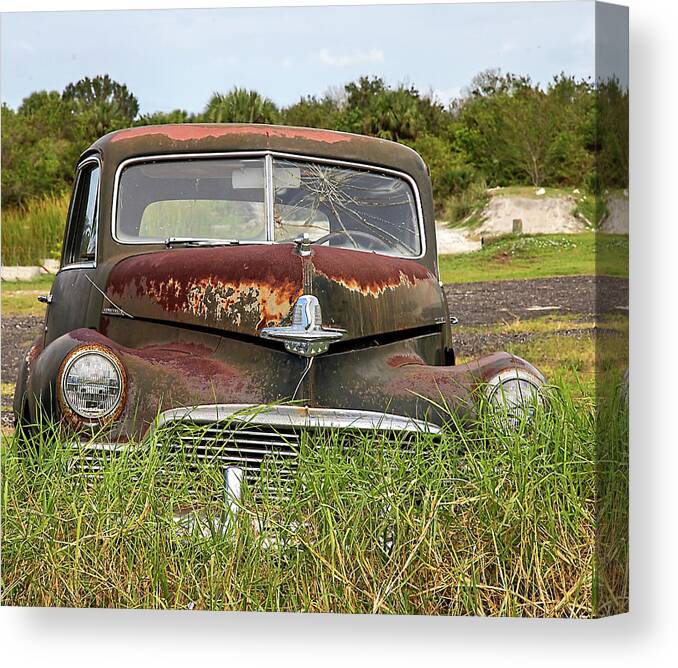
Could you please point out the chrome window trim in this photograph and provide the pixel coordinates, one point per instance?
(296, 416)
(78, 265)
(86, 264)
(269, 198)
(269, 155)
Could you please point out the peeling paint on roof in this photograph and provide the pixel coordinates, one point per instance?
(195, 131)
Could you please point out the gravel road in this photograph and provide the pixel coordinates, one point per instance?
(498, 301)
(475, 304)
(18, 332)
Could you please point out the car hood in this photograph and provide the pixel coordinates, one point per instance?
(242, 289)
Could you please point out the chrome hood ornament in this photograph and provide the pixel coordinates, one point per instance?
(303, 243)
(306, 336)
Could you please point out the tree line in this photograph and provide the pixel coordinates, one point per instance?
(502, 130)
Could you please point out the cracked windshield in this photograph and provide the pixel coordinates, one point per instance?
(226, 200)
(344, 207)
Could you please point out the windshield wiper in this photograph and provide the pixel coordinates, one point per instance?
(191, 241)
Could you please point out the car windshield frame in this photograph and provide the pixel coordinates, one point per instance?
(269, 193)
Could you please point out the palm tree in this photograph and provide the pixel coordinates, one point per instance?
(108, 104)
(240, 106)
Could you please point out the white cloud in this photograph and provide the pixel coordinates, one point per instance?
(355, 58)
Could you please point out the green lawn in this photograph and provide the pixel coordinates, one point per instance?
(21, 297)
(539, 256)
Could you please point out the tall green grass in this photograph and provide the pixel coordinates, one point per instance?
(482, 522)
(34, 232)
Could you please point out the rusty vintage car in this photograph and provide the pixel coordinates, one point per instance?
(211, 268)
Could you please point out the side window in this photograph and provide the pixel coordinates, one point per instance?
(82, 230)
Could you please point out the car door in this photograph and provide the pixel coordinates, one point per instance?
(69, 297)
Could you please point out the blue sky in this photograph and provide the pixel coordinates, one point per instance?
(178, 58)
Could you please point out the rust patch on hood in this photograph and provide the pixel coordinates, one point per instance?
(244, 288)
(370, 274)
(239, 302)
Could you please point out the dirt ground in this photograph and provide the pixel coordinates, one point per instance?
(18, 332)
(452, 241)
(550, 215)
(499, 301)
(482, 304)
(474, 304)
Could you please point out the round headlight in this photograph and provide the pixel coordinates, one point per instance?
(92, 385)
(515, 395)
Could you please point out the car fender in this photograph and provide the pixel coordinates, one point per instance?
(452, 392)
(21, 406)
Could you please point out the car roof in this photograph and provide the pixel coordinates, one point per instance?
(201, 138)
(227, 137)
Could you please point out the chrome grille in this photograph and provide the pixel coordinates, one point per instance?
(87, 459)
(250, 437)
(245, 445)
